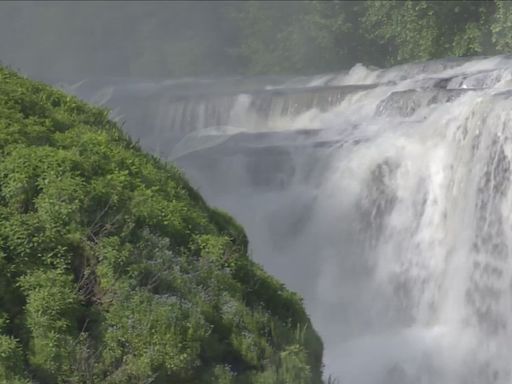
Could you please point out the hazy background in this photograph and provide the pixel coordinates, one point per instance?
(74, 40)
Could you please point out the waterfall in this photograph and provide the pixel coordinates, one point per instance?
(382, 196)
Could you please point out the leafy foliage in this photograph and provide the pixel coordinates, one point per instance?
(114, 270)
(256, 37)
(426, 29)
(308, 36)
(502, 27)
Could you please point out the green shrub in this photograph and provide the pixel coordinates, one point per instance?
(114, 270)
(11, 361)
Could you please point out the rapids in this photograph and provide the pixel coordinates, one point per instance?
(382, 196)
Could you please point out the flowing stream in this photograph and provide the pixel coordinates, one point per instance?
(382, 196)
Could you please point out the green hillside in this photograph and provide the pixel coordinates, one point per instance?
(114, 270)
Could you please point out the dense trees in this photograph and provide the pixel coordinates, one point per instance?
(300, 37)
(428, 29)
(189, 38)
(114, 270)
(318, 36)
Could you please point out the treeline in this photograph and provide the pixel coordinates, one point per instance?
(175, 39)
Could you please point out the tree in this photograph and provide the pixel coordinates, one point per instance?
(502, 27)
(421, 30)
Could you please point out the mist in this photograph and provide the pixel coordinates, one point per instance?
(64, 41)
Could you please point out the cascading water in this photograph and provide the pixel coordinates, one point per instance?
(382, 196)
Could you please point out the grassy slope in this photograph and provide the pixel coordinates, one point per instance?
(114, 270)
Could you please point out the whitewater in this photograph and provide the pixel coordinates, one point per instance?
(382, 196)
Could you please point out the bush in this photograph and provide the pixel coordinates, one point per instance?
(114, 270)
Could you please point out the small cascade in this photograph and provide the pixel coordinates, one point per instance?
(174, 113)
(406, 103)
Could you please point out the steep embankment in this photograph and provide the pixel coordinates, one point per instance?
(114, 270)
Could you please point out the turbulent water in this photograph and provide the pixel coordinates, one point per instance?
(382, 196)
